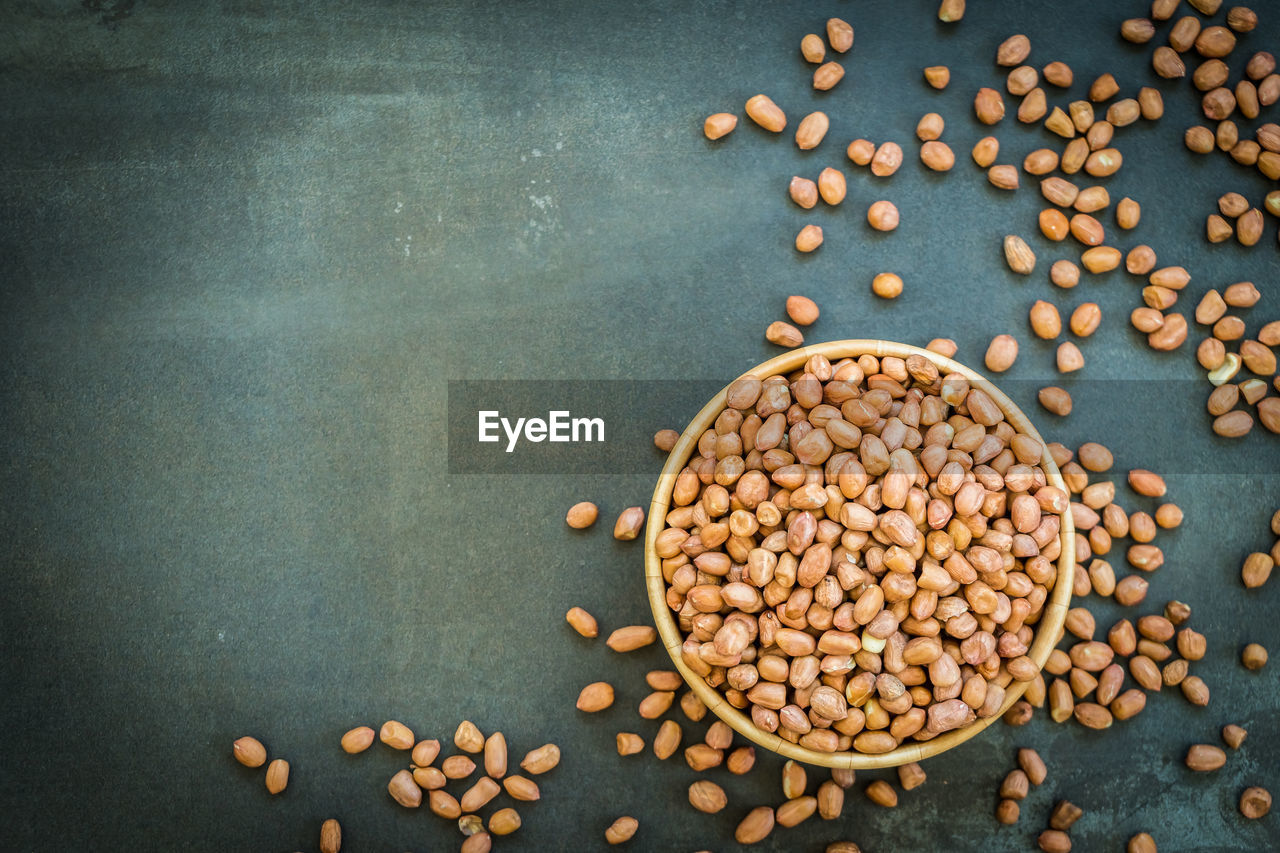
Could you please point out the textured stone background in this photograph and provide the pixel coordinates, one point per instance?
(246, 245)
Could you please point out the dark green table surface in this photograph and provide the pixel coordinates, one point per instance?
(246, 246)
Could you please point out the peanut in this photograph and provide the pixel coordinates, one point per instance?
(621, 830)
(763, 111)
(937, 156)
(278, 776)
(631, 637)
(832, 186)
(541, 760)
(882, 216)
(755, 827)
(504, 821)
(706, 796)
(1203, 757)
(1055, 400)
(988, 106)
(827, 75)
(468, 738)
(404, 790)
(887, 285)
(249, 751)
(937, 76)
(985, 151)
(1019, 257)
(1137, 30)
(809, 238)
(886, 160)
(812, 48)
(1256, 570)
(1255, 803)
(330, 836)
(811, 130)
(1058, 74)
(457, 767)
(581, 516)
(1064, 274)
(1003, 177)
(1253, 656)
(1045, 321)
(719, 125)
(396, 735)
(839, 34)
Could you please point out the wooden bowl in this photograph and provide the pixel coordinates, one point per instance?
(1048, 629)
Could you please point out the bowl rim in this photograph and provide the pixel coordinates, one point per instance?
(1053, 616)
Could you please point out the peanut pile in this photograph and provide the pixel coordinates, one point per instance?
(858, 552)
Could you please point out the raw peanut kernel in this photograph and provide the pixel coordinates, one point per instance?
(937, 156)
(1058, 74)
(802, 310)
(1053, 224)
(929, 127)
(358, 740)
(1002, 352)
(629, 524)
(404, 790)
(249, 751)
(581, 515)
(632, 637)
(330, 836)
(1055, 400)
(812, 48)
(1003, 177)
(938, 76)
(803, 192)
(621, 830)
(1256, 570)
(756, 826)
(988, 106)
(1085, 319)
(886, 160)
(468, 738)
(985, 151)
(1255, 803)
(541, 760)
(831, 186)
(826, 76)
(424, 752)
(839, 34)
(1128, 213)
(719, 125)
(1013, 51)
(764, 112)
(396, 735)
(887, 285)
(1203, 757)
(882, 216)
(809, 238)
(582, 622)
(1019, 255)
(1045, 321)
(595, 697)
(278, 776)
(1137, 30)
(811, 130)
(706, 796)
(1253, 656)
(667, 740)
(950, 11)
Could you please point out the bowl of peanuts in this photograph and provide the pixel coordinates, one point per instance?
(860, 554)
